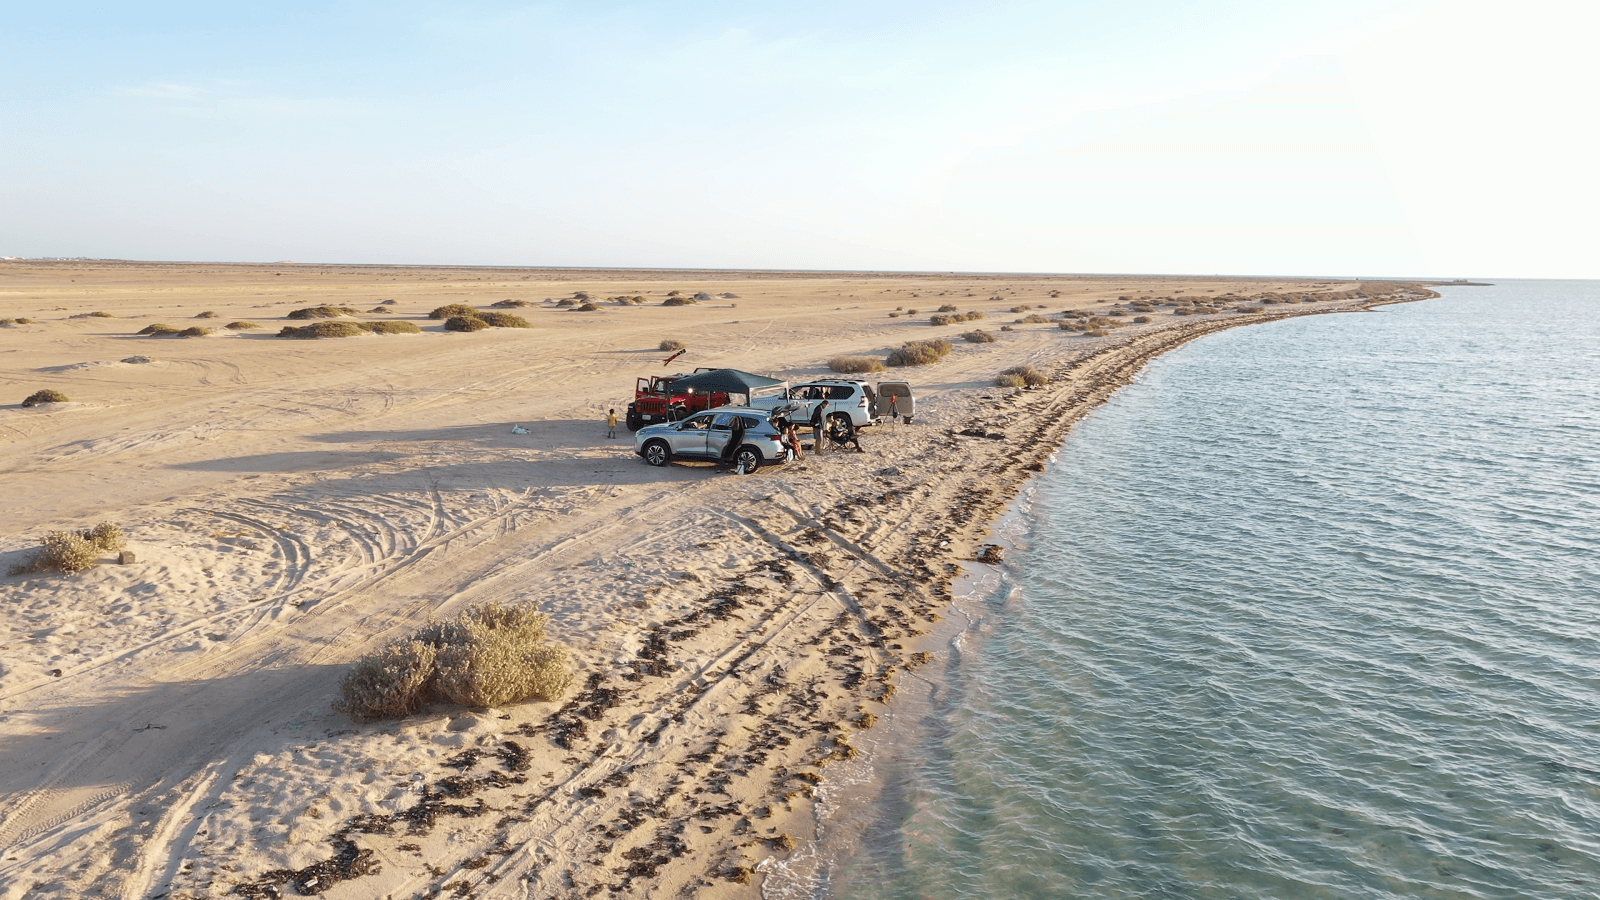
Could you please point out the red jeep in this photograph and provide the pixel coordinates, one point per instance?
(655, 401)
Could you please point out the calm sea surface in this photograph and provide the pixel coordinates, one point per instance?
(1311, 610)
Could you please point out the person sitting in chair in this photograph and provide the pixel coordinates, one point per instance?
(842, 435)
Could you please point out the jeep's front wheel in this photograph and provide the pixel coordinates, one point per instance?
(657, 453)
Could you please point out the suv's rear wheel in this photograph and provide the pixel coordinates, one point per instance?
(843, 422)
(657, 453)
(747, 459)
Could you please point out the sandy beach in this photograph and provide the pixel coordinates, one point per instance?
(166, 727)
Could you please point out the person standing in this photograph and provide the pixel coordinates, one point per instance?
(611, 423)
(819, 425)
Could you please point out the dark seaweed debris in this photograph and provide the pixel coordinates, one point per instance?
(349, 862)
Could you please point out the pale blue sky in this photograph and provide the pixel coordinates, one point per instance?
(1411, 137)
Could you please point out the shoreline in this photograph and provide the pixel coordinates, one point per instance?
(732, 636)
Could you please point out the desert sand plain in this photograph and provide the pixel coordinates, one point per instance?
(165, 725)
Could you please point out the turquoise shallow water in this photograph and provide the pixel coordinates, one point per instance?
(1310, 610)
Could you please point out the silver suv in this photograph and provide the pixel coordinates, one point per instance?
(849, 401)
(703, 437)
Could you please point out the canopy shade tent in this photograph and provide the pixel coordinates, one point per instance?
(731, 381)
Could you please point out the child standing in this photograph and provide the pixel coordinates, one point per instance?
(611, 423)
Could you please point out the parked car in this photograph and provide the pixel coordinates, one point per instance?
(703, 436)
(855, 403)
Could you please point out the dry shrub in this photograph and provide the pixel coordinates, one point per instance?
(208, 314)
(196, 331)
(1020, 309)
(45, 396)
(566, 301)
(894, 315)
(703, 297)
(72, 551)
(390, 683)
(670, 344)
(854, 365)
(1184, 311)
(94, 315)
(465, 323)
(948, 307)
(323, 312)
(586, 307)
(451, 311)
(980, 336)
(20, 321)
(322, 330)
(241, 326)
(1007, 328)
(505, 320)
(919, 353)
(510, 304)
(1033, 319)
(1070, 326)
(1012, 381)
(1096, 332)
(677, 300)
(490, 655)
(159, 329)
(1141, 320)
(1029, 375)
(941, 320)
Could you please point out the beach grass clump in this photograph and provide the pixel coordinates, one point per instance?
(504, 320)
(948, 307)
(489, 656)
(72, 551)
(670, 344)
(23, 320)
(159, 329)
(979, 336)
(919, 353)
(465, 323)
(323, 312)
(1142, 320)
(1027, 375)
(1185, 311)
(195, 331)
(241, 326)
(854, 365)
(208, 314)
(1033, 319)
(45, 396)
(678, 300)
(97, 314)
(588, 306)
(322, 330)
(452, 310)
(510, 304)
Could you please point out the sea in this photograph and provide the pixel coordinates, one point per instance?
(1310, 610)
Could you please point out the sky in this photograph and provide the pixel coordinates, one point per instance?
(1413, 138)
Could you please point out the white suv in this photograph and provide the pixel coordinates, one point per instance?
(849, 401)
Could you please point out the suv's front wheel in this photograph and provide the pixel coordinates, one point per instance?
(657, 453)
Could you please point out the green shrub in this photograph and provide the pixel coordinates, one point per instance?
(854, 365)
(919, 353)
(45, 396)
(980, 337)
(323, 312)
(504, 320)
(389, 327)
(159, 330)
(488, 656)
(465, 323)
(452, 311)
(241, 326)
(196, 331)
(322, 330)
(670, 344)
(1029, 375)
